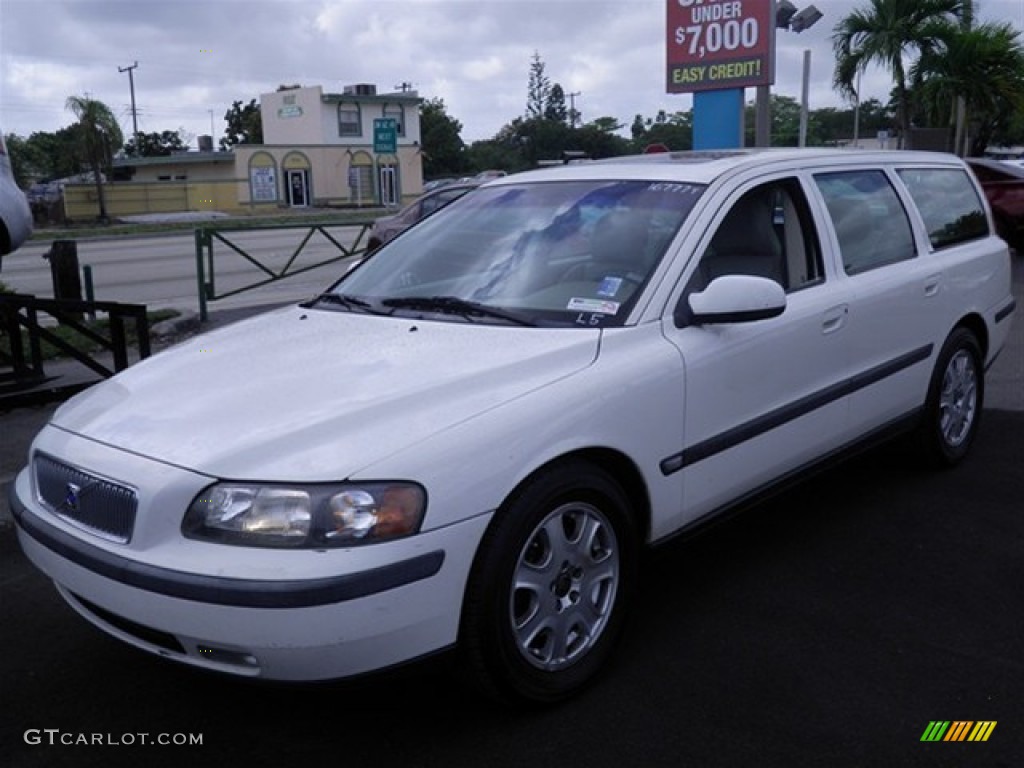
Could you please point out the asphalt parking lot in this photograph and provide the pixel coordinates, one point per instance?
(827, 627)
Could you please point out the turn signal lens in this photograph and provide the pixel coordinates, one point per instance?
(378, 513)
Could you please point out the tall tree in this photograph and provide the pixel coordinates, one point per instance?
(101, 136)
(538, 89)
(444, 152)
(884, 33)
(984, 67)
(555, 109)
(244, 125)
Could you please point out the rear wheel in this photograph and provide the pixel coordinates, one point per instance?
(955, 397)
(548, 589)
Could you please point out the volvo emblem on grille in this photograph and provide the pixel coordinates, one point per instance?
(71, 497)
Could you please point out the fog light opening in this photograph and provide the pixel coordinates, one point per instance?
(225, 656)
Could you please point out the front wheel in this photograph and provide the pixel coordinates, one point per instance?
(955, 397)
(548, 589)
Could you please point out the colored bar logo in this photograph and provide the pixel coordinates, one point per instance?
(958, 730)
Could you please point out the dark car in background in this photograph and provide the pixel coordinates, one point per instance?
(1004, 187)
(388, 227)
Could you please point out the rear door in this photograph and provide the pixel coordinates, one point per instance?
(903, 286)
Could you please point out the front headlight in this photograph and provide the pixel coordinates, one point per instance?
(314, 516)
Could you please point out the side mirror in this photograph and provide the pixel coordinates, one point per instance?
(737, 299)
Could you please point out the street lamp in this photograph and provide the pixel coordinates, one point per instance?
(786, 17)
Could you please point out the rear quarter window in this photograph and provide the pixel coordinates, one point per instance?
(949, 204)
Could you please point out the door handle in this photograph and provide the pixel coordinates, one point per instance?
(932, 284)
(834, 318)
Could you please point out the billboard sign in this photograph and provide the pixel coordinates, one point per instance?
(720, 44)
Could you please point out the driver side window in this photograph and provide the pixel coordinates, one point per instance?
(767, 233)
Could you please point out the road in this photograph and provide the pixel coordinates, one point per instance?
(160, 271)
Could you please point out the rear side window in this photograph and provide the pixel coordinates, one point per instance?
(871, 224)
(949, 204)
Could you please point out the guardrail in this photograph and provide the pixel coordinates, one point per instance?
(206, 237)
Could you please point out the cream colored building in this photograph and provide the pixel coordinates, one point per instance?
(318, 150)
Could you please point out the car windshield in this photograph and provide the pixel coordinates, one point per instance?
(537, 253)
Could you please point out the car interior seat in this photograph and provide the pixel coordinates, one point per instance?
(747, 242)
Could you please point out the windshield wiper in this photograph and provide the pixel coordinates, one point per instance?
(343, 300)
(456, 306)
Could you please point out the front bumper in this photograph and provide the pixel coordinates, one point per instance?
(295, 615)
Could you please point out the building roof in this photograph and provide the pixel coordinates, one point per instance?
(180, 158)
(412, 97)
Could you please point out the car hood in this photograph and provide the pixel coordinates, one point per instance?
(312, 395)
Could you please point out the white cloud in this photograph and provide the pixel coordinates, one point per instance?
(483, 69)
(201, 55)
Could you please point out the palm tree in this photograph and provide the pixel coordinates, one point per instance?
(101, 135)
(983, 66)
(884, 33)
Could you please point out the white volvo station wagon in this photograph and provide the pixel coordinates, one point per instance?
(470, 439)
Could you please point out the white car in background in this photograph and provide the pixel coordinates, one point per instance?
(15, 216)
(470, 439)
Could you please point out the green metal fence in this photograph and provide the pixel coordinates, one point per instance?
(208, 237)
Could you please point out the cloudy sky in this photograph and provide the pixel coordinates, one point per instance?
(197, 56)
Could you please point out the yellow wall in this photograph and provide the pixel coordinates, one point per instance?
(128, 198)
(226, 186)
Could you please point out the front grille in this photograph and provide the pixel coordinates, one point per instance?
(99, 505)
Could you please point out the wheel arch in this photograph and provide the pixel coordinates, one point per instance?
(619, 466)
(975, 323)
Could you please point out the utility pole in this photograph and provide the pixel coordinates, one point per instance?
(131, 85)
(573, 114)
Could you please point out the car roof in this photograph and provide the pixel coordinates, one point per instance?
(703, 167)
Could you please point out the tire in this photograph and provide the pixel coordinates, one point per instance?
(548, 589)
(952, 411)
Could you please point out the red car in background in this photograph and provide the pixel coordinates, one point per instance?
(1004, 187)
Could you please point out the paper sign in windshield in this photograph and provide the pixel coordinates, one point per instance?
(597, 306)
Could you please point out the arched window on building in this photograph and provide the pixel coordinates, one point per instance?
(262, 178)
(361, 187)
